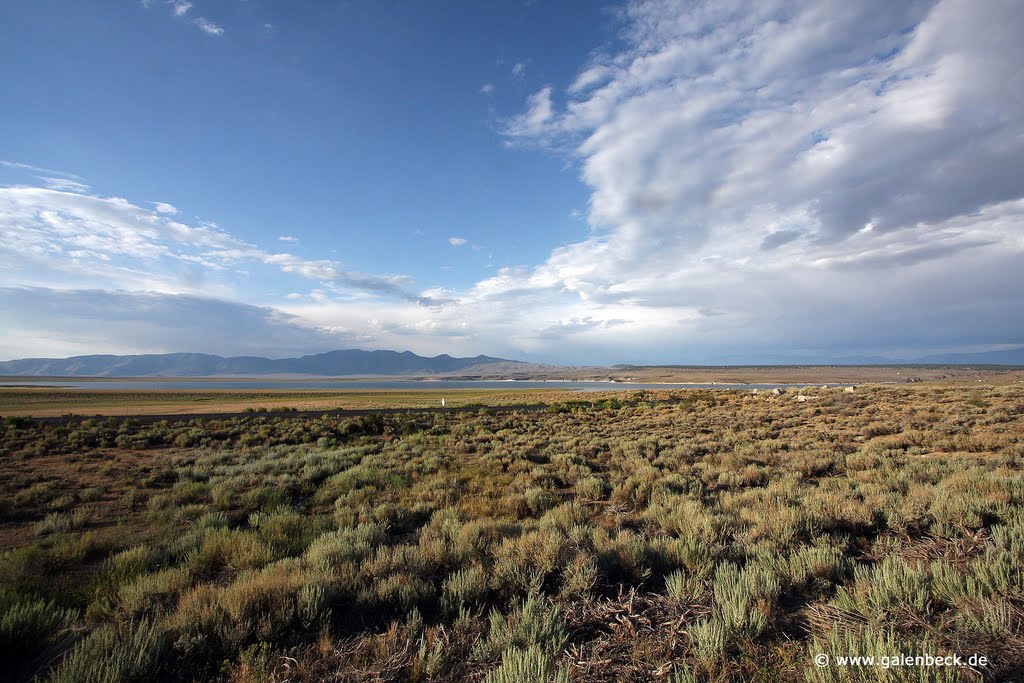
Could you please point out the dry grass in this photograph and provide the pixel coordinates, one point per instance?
(47, 402)
(698, 535)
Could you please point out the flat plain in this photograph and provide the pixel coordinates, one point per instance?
(51, 402)
(718, 535)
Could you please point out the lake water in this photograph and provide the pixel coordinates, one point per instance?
(344, 385)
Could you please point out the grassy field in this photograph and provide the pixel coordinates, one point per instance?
(48, 402)
(670, 536)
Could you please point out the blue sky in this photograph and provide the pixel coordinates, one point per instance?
(568, 182)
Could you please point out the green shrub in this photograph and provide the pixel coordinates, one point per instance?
(125, 566)
(53, 523)
(111, 656)
(879, 644)
(539, 499)
(591, 488)
(151, 593)
(527, 665)
(579, 578)
(399, 593)
(709, 638)
(347, 545)
(28, 627)
(464, 589)
(745, 598)
(809, 563)
(212, 520)
(535, 623)
(684, 588)
(262, 604)
(225, 548)
(287, 531)
(891, 585)
(525, 564)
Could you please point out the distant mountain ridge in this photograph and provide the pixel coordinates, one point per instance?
(1008, 357)
(330, 364)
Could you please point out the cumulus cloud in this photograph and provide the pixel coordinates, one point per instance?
(811, 170)
(457, 241)
(180, 7)
(78, 239)
(165, 208)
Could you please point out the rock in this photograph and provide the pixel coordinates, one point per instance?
(848, 390)
(801, 398)
(776, 391)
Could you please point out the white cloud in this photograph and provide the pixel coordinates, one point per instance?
(208, 27)
(48, 172)
(735, 152)
(180, 8)
(64, 184)
(165, 208)
(538, 119)
(292, 239)
(114, 239)
(149, 322)
(814, 177)
(519, 69)
(486, 88)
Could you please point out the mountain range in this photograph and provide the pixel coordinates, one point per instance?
(355, 362)
(330, 364)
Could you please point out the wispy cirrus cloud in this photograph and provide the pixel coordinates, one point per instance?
(64, 183)
(208, 27)
(39, 171)
(181, 8)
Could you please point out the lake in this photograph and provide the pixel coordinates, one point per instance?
(347, 385)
